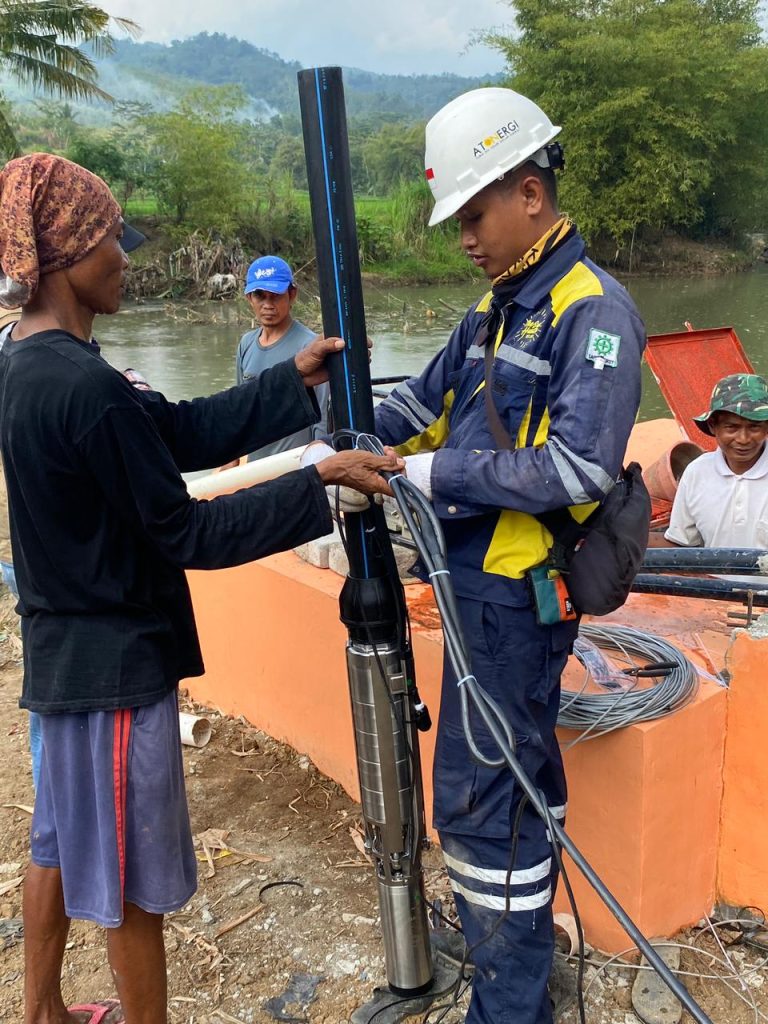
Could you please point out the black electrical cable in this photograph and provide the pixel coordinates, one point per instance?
(446, 920)
(445, 1007)
(430, 543)
(398, 712)
(388, 1006)
(277, 885)
(518, 820)
(576, 916)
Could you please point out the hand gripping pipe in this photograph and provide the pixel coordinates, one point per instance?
(385, 702)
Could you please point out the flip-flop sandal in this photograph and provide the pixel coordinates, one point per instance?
(99, 1010)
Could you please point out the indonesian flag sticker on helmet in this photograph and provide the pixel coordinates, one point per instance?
(477, 138)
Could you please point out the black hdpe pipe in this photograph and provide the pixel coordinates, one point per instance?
(708, 589)
(386, 708)
(716, 561)
(370, 600)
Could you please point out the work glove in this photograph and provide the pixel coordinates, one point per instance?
(349, 500)
(418, 469)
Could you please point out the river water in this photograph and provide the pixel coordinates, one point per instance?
(185, 360)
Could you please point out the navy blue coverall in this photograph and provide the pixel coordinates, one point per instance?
(566, 384)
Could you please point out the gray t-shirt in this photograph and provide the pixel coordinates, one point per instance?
(253, 358)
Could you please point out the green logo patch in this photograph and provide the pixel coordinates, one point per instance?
(603, 348)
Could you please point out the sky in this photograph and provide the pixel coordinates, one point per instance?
(395, 37)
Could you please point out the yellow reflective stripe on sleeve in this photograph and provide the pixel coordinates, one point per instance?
(579, 283)
(434, 436)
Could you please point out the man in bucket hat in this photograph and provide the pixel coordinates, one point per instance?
(744, 395)
(722, 499)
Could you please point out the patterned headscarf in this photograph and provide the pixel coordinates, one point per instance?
(52, 214)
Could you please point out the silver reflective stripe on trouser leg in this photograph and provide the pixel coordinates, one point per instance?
(506, 917)
(493, 888)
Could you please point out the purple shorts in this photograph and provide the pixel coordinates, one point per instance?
(111, 811)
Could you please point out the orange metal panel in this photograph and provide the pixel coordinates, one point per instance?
(687, 365)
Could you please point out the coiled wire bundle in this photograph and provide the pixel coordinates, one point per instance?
(594, 714)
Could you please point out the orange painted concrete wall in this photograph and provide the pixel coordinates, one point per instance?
(274, 651)
(743, 869)
(644, 802)
(643, 807)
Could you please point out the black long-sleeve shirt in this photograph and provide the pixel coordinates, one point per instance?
(102, 526)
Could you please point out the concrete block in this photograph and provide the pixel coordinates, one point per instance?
(317, 552)
(404, 558)
(337, 560)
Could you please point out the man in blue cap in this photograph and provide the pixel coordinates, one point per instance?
(271, 291)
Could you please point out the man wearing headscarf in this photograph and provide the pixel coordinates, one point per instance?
(102, 529)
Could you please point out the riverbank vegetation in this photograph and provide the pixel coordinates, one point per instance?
(664, 105)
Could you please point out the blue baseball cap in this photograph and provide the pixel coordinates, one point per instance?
(268, 274)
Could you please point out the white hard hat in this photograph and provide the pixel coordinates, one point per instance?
(477, 138)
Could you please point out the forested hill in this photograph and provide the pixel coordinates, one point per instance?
(219, 59)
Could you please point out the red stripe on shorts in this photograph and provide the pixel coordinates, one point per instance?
(122, 735)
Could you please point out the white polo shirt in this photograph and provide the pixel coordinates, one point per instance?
(717, 508)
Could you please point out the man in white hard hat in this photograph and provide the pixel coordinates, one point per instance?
(526, 410)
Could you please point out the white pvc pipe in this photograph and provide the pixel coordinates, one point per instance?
(246, 475)
(195, 730)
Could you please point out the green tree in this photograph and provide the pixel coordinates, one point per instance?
(202, 174)
(288, 158)
(664, 105)
(100, 155)
(40, 44)
(56, 124)
(394, 154)
(128, 135)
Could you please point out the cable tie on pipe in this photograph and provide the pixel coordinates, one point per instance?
(466, 679)
(440, 572)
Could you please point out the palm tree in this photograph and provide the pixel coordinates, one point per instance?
(39, 46)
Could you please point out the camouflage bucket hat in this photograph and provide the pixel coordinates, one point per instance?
(744, 394)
